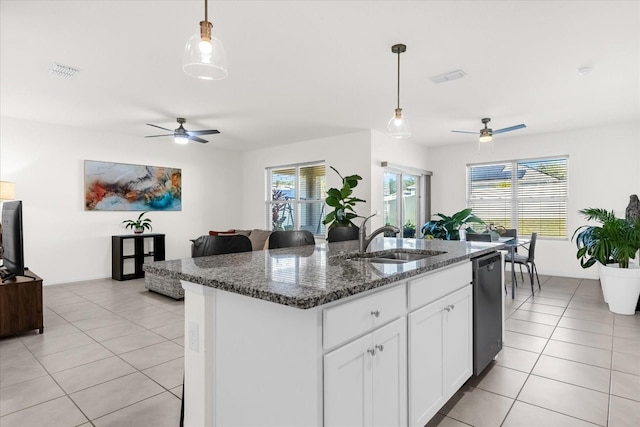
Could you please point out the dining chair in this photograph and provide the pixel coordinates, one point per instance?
(218, 245)
(478, 237)
(511, 232)
(528, 261)
(291, 238)
(342, 234)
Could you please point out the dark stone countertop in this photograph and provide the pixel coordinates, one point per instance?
(309, 276)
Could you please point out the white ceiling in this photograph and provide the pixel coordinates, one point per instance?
(300, 70)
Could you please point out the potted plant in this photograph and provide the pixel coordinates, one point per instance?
(612, 245)
(341, 200)
(448, 227)
(139, 225)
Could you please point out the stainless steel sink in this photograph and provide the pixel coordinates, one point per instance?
(397, 256)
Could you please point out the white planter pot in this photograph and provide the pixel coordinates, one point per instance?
(621, 287)
(603, 283)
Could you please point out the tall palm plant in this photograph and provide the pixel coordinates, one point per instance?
(617, 240)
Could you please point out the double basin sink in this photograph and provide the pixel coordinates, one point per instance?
(394, 256)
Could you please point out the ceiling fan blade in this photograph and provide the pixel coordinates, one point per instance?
(195, 138)
(202, 132)
(464, 131)
(154, 136)
(160, 127)
(509, 129)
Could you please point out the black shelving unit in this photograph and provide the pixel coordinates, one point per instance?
(118, 256)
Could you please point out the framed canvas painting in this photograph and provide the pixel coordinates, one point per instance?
(126, 187)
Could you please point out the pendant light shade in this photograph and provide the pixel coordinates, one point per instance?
(204, 55)
(398, 126)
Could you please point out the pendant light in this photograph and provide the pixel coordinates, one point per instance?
(398, 126)
(204, 55)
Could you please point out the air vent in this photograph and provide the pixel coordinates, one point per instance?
(452, 75)
(63, 71)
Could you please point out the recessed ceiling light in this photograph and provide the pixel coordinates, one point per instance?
(584, 70)
(451, 75)
(63, 71)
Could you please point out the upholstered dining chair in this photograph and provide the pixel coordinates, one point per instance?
(221, 244)
(342, 234)
(291, 238)
(478, 237)
(528, 261)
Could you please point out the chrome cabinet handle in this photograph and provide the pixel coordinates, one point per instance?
(447, 308)
(452, 306)
(380, 347)
(375, 313)
(371, 351)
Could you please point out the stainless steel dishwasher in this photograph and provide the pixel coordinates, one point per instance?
(487, 310)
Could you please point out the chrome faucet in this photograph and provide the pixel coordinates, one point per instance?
(364, 240)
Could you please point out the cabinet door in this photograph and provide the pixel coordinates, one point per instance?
(426, 397)
(389, 404)
(458, 342)
(347, 384)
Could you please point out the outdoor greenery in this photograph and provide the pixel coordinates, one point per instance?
(448, 227)
(342, 202)
(617, 240)
(138, 225)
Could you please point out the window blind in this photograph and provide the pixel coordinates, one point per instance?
(530, 195)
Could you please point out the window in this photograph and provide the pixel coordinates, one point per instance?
(296, 197)
(530, 195)
(403, 206)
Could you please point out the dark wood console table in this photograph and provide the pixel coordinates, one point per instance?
(21, 304)
(119, 254)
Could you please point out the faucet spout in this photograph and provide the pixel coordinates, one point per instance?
(365, 240)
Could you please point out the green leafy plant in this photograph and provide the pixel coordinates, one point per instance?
(448, 227)
(617, 240)
(342, 202)
(139, 225)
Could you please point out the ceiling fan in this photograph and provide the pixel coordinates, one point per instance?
(181, 135)
(486, 134)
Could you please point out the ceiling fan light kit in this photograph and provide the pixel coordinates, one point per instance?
(398, 126)
(486, 133)
(204, 55)
(183, 136)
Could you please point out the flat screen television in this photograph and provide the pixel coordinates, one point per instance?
(12, 242)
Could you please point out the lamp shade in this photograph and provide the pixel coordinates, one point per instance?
(398, 126)
(7, 190)
(205, 59)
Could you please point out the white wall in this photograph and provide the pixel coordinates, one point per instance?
(603, 171)
(401, 152)
(355, 153)
(65, 243)
(350, 154)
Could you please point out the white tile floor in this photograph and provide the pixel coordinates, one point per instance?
(112, 355)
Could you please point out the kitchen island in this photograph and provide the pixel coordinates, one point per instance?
(316, 335)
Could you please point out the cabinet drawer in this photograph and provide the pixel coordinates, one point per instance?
(348, 320)
(426, 289)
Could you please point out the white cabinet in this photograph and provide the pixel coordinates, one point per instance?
(365, 381)
(440, 353)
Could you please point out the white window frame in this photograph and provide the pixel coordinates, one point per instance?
(514, 200)
(296, 202)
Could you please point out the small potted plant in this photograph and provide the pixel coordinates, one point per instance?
(342, 202)
(139, 225)
(612, 245)
(448, 227)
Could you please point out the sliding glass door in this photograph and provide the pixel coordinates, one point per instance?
(402, 196)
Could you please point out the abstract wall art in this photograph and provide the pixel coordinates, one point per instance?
(126, 187)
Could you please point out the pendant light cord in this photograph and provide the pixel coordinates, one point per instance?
(398, 79)
(206, 10)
